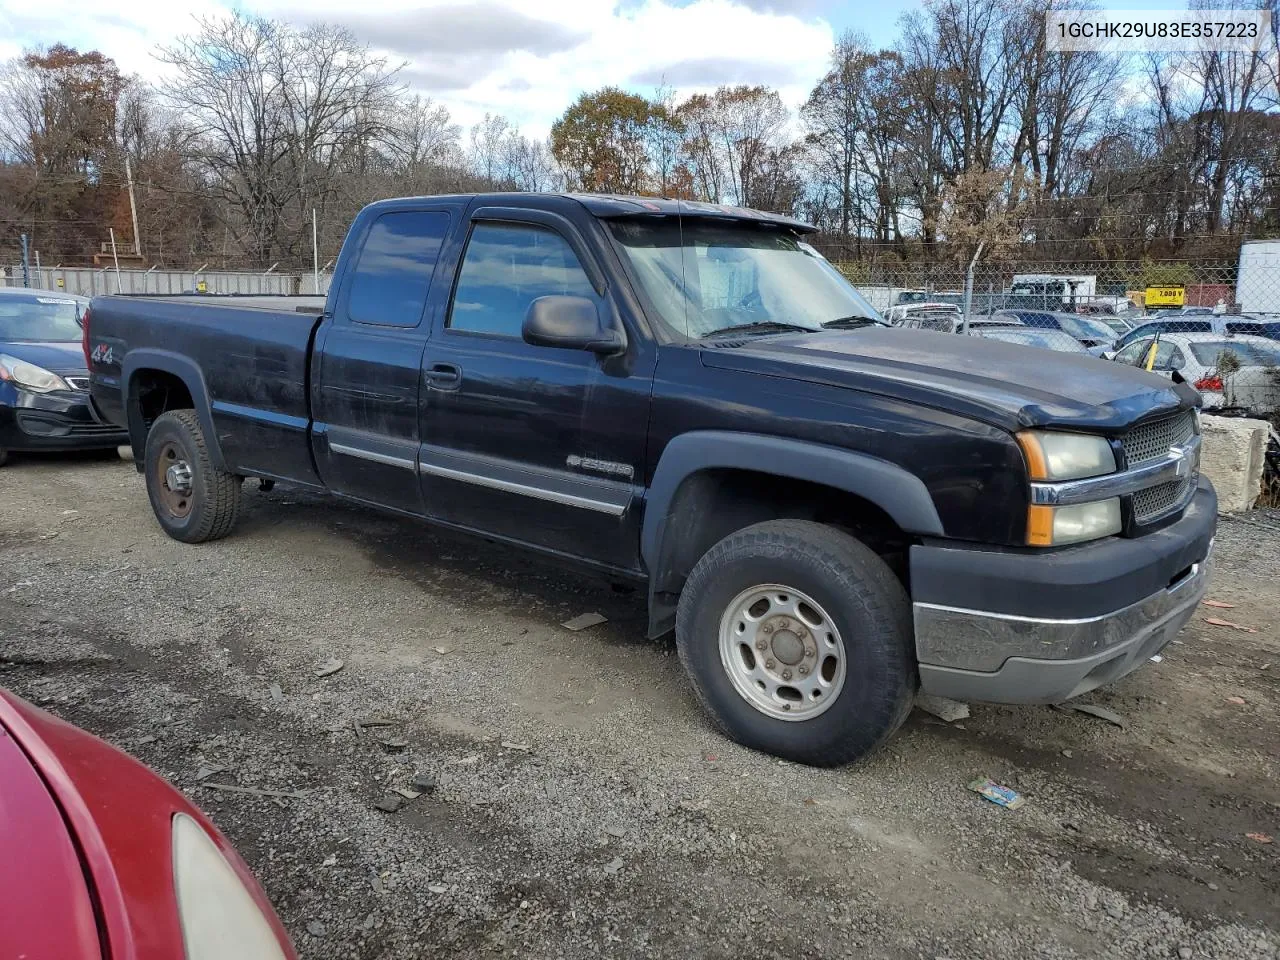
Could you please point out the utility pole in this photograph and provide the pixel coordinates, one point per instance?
(26, 263)
(315, 252)
(39, 274)
(116, 258)
(133, 207)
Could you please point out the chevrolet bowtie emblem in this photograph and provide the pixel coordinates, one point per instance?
(1184, 466)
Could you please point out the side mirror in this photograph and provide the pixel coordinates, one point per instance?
(571, 323)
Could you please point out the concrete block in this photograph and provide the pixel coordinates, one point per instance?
(1232, 457)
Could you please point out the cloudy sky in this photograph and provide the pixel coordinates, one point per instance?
(523, 60)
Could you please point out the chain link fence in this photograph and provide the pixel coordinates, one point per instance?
(1249, 285)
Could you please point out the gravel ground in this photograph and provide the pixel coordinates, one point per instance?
(581, 805)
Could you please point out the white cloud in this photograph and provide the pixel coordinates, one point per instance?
(500, 56)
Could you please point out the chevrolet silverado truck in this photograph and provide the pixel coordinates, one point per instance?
(831, 514)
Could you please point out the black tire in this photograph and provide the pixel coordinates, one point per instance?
(860, 594)
(213, 505)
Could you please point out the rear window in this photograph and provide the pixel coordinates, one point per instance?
(1249, 354)
(392, 275)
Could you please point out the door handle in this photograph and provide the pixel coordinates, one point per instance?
(443, 376)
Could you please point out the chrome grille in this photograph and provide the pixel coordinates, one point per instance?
(1155, 502)
(77, 383)
(1152, 440)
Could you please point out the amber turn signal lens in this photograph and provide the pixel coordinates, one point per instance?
(1040, 526)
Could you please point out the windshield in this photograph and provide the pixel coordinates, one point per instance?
(706, 278)
(39, 319)
(1045, 339)
(1084, 328)
(1249, 354)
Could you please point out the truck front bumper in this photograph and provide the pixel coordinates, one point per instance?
(1034, 627)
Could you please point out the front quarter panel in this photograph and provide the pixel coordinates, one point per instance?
(974, 472)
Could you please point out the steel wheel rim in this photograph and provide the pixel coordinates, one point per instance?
(173, 480)
(782, 652)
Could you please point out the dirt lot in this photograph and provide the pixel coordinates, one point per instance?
(584, 807)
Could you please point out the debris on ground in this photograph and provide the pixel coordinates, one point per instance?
(316, 928)
(256, 791)
(437, 888)
(1214, 621)
(394, 745)
(616, 832)
(1238, 701)
(276, 692)
(389, 803)
(205, 772)
(1093, 710)
(407, 792)
(425, 782)
(943, 708)
(1260, 837)
(1068, 754)
(584, 620)
(512, 745)
(1219, 604)
(441, 650)
(613, 866)
(1003, 796)
(329, 667)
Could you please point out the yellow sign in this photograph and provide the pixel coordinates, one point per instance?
(202, 287)
(1166, 296)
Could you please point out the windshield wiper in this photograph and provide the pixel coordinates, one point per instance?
(850, 323)
(759, 326)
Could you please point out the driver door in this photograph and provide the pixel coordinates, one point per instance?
(537, 444)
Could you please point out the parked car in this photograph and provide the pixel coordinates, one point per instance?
(827, 511)
(1255, 327)
(102, 858)
(1173, 325)
(1034, 337)
(1247, 379)
(1096, 336)
(1119, 325)
(44, 398)
(901, 315)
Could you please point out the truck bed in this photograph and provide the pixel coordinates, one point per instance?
(252, 354)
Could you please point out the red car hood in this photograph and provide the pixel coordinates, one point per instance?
(120, 817)
(46, 903)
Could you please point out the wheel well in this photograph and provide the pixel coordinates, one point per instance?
(151, 393)
(712, 504)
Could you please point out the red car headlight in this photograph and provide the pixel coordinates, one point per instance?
(220, 919)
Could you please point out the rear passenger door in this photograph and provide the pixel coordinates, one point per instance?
(537, 444)
(368, 359)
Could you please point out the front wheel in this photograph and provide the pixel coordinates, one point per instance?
(192, 499)
(797, 638)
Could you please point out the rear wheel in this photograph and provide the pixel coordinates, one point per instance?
(798, 640)
(192, 499)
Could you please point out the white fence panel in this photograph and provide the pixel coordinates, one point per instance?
(95, 281)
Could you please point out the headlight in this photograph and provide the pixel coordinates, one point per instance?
(220, 919)
(1066, 456)
(29, 376)
(1055, 526)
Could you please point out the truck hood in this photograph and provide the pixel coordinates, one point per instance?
(1007, 385)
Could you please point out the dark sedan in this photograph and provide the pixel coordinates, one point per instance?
(44, 381)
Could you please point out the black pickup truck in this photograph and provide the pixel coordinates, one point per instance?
(830, 513)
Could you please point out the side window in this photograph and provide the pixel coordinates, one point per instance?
(392, 274)
(1168, 357)
(1132, 352)
(508, 266)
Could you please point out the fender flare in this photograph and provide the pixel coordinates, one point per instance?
(186, 370)
(900, 494)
